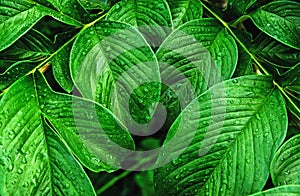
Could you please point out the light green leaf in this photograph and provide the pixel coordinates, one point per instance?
(289, 190)
(184, 10)
(18, 17)
(285, 167)
(239, 125)
(274, 52)
(32, 157)
(280, 20)
(113, 64)
(195, 56)
(152, 19)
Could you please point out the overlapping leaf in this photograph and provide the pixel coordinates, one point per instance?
(77, 121)
(33, 46)
(32, 157)
(285, 168)
(18, 17)
(153, 19)
(113, 64)
(280, 20)
(197, 55)
(274, 52)
(241, 123)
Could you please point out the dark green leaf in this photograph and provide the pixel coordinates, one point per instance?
(289, 190)
(19, 16)
(274, 52)
(233, 127)
(280, 20)
(33, 46)
(285, 168)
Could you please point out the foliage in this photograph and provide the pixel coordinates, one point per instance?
(190, 97)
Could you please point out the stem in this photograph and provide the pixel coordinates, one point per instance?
(237, 39)
(251, 55)
(112, 182)
(287, 96)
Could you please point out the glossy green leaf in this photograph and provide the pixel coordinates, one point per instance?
(14, 72)
(245, 62)
(113, 64)
(285, 168)
(71, 8)
(237, 8)
(152, 19)
(61, 61)
(195, 56)
(280, 20)
(291, 78)
(33, 46)
(93, 133)
(95, 4)
(274, 52)
(289, 190)
(184, 10)
(18, 17)
(240, 125)
(32, 156)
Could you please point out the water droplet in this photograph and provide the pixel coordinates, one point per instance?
(20, 171)
(287, 172)
(176, 161)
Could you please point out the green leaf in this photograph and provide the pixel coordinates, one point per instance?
(280, 20)
(113, 64)
(152, 19)
(33, 46)
(70, 8)
(14, 72)
(274, 52)
(93, 133)
(18, 17)
(291, 78)
(233, 127)
(33, 158)
(245, 61)
(195, 56)
(95, 4)
(61, 61)
(184, 10)
(144, 180)
(285, 167)
(289, 190)
(237, 8)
